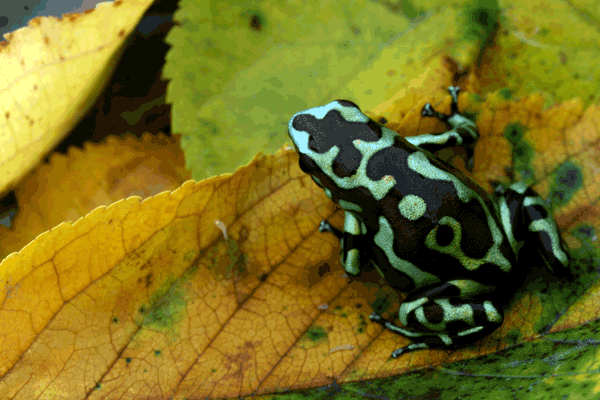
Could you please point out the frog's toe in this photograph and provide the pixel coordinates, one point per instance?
(375, 317)
(411, 347)
(324, 226)
(398, 352)
(453, 90)
(470, 163)
(327, 227)
(429, 111)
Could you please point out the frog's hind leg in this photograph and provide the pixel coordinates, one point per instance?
(443, 323)
(530, 227)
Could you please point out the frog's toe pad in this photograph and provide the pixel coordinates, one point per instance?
(324, 226)
(427, 111)
(398, 352)
(375, 317)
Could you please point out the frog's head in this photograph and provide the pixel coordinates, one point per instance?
(324, 137)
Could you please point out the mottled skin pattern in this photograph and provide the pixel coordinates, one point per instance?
(429, 229)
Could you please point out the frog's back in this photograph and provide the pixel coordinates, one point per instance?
(429, 213)
(428, 222)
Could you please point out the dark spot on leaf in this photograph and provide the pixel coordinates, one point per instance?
(255, 23)
(324, 269)
(562, 56)
(505, 93)
(559, 195)
(514, 133)
(586, 230)
(316, 333)
(569, 178)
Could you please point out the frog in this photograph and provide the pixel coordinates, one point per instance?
(455, 251)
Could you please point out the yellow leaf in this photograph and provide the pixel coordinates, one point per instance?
(70, 186)
(50, 73)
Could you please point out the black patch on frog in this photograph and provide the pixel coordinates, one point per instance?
(342, 170)
(393, 161)
(307, 164)
(433, 312)
(444, 235)
(446, 289)
(452, 141)
(537, 212)
(480, 316)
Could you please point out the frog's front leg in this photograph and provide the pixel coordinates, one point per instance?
(349, 238)
(436, 320)
(463, 133)
(530, 227)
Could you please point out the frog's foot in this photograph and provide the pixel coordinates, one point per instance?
(326, 227)
(428, 110)
(375, 317)
(443, 323)
(464, 131)
(403, 350)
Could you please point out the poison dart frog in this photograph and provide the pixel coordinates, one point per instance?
(429, 229)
